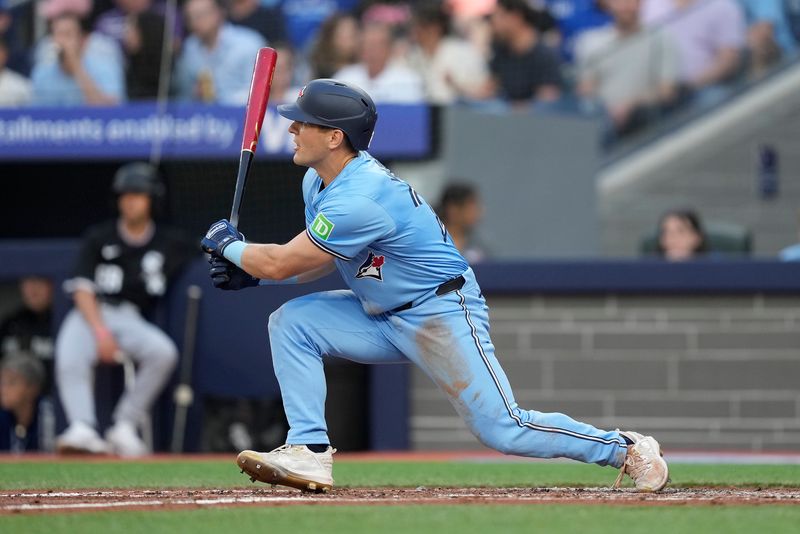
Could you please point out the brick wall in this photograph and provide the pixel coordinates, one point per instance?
(716, 372)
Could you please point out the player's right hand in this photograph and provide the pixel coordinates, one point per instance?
(219, 235)
(107, 348)
(225, 275)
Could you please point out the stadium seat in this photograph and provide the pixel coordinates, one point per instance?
(727, 238)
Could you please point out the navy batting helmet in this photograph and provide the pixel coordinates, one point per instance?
(138, 177)
(338, 105)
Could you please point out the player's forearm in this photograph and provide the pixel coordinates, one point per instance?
(267, 261)
(86, 302)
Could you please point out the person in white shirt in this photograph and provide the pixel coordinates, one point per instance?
(450, 67)
(15, 89)
(384, 78)
(633, 72)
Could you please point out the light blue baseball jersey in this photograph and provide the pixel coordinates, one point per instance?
(390, 247)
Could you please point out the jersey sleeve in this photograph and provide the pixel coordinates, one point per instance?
(343, 229)
(83, 273)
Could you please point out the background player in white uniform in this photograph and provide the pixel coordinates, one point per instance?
(412, 298)
(123, 267)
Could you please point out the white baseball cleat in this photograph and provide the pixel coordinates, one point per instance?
(125, 442)
(644, 463)
(290, 465)
(80, 438)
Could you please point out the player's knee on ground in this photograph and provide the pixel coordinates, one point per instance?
(499, 441)
(499, 433)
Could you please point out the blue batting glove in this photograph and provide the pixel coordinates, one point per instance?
(220, 234)
(225, 275)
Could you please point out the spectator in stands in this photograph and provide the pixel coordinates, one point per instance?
(710, 35)
(460, 210)
(546, 24)
(792, 12)
(266, 20)
(387, 80)
(470, 20)
(15, 89)
(123, 268)
(574, 17)
(10, 33)
(395, 15)
(283, 87)
(76, 67)
(304, 17)
(138, 29)
(50, 9)
(449, 66)
(633, 73)
(29, 327)
(681, 236)
(22, 379)
(216, 63)
(336, 45)
(523, 69)
(769, 36)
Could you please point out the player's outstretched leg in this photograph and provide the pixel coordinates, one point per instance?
(450, 341)
(301, 331)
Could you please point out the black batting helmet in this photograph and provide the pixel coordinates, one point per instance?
(335, 104)
(138, 177)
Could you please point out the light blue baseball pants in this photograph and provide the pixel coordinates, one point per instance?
(448, 338)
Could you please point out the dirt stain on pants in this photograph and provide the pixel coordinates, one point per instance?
(443, 361)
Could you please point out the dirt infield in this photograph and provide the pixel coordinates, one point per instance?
(28, 502)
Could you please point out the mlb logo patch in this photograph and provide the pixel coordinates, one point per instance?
(371, 268)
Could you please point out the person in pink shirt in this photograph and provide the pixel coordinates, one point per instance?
(710, 36)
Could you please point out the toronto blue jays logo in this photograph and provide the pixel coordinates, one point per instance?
(371, 268)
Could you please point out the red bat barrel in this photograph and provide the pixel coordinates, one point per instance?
(259, 96)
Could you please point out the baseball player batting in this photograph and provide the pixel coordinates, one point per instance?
(412, 298)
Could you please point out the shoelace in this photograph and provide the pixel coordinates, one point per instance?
(635, 465)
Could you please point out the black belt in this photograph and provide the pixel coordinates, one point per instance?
(448, 287)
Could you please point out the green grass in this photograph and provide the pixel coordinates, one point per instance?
(197, 473)
(417, 519)
(462, 519)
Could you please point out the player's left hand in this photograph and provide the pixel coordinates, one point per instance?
(225, 275)
(220, 234)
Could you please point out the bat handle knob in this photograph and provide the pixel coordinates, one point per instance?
(184, 396)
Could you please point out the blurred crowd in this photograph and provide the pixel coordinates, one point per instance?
(629, 60)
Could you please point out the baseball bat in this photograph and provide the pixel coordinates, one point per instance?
(260, 86)
(184, 394)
